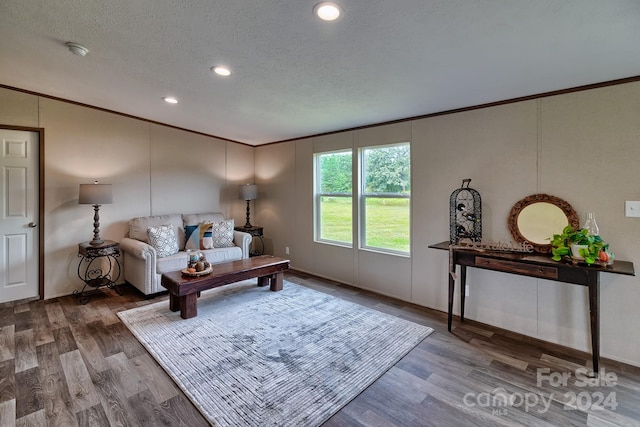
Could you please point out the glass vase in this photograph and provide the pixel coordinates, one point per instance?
(591, 225)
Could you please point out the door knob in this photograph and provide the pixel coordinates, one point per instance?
(33, 224)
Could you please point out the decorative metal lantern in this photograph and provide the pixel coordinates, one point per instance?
(465, 214)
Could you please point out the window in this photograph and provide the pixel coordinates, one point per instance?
(333, 203)
(385, 198)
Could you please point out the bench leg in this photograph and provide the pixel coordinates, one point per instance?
(189, 306)
(174, 302)
(263, 281)
(276, 282)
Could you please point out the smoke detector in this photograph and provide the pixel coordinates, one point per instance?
(77, 49)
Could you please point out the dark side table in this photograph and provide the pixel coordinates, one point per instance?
(98, 267)
(254, 231)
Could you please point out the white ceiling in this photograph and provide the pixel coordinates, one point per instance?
(296, 76)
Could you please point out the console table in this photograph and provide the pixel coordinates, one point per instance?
(534, 265)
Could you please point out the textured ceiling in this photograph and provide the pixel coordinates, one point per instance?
(295, 76)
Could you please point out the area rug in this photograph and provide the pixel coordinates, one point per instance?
(257, 358)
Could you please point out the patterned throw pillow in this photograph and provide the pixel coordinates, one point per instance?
(198, 236)
(164, 239)
(222, 234)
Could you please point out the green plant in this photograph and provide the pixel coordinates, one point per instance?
(561, 244)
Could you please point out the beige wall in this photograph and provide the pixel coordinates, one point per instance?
(154, 170)
(582, 147)
(275, 177)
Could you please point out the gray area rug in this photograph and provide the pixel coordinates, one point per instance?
(257, 358)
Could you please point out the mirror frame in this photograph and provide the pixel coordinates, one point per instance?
(512, 221)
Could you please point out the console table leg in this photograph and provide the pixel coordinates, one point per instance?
(463, 289)
(452, 285)
(594, 306)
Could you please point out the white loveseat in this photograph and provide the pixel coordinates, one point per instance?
(142, 266)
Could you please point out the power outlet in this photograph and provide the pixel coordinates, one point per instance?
(632, 209)
(286, 250)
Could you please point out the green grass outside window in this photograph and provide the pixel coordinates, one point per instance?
(387, 222)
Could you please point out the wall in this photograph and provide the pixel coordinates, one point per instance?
(582, 147)
(154, 169)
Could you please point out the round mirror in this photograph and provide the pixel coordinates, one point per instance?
(535, 219)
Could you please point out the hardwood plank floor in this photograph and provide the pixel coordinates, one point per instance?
(66, 364)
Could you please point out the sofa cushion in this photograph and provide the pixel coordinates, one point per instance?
(198, 236)
(138, 226)
(222, 234)
(214, 256)
(164, 240)
(217, 255)
(171, 263)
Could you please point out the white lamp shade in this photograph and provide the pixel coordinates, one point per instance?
(95, 194)
(248, 192)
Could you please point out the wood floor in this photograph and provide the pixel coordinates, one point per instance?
(66, 364)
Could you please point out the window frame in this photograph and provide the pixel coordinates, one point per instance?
(319, 194)
(362, 201)
(359, 198)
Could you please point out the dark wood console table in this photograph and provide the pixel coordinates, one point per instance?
(534, 265)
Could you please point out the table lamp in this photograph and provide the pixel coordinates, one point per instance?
(248, 192)
(95, 194)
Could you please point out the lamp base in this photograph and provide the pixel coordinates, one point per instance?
(96, 242)
(248, 224)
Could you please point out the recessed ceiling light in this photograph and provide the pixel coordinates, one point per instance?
(170, 100)
(327, 11)
(221, 70)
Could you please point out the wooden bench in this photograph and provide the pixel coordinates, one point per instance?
(184, 290)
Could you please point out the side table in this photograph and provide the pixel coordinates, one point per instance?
(254, 231)
(98, 267)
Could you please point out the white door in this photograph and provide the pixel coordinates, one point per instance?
(19, 217)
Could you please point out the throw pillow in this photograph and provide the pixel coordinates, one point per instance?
(206, 238)
(164, 239)
(198, 236)
(222, 234)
